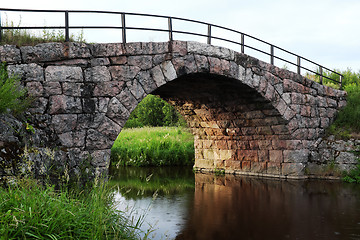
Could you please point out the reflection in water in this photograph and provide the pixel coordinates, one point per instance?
(158, 196)
(229, 207)
(250, 208)
(164, 217)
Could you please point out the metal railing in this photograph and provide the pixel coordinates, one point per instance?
(170, 30)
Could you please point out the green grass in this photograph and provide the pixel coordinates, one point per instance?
(157, 146)
(23, 37)
(353, 176)
(31, 211)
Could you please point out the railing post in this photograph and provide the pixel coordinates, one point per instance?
(170, 29)
(209, 34)
(67, 37)
(242, 43)
(298, 65)
(341, 84)
(321, 75)
(271, 54)
(123, 27)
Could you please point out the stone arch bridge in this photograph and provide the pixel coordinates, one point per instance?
(247, 116)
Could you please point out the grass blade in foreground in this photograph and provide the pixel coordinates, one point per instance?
(29, 210)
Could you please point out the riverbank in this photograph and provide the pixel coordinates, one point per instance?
(31, 210)
(153, 146)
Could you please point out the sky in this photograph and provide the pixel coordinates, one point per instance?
(324, 31)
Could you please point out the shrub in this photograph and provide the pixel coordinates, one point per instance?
(155, 112)
(349, 77)
(347, 120)
(12, 95)
(353, 176)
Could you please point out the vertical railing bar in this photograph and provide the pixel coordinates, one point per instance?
(123, 27)
(170, 29)
(209, 34)
(67, 37)
(242, 43)
(271, 54)
(341, 83)
(321, 75)
(298, 65)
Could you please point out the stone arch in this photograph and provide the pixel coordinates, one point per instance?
(86, 92)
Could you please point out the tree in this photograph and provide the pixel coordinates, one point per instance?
(155, 112)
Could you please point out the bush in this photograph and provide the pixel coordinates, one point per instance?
(12, 95)
(349, 78)
(155, 112)
(349, 117)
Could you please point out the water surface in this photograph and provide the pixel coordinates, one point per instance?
(229, 207)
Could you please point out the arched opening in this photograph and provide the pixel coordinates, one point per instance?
(235, 128)
(154, 135)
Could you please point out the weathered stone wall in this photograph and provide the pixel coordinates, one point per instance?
(331, 157)
(247, 116)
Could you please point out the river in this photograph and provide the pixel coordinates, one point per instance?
(175, 203)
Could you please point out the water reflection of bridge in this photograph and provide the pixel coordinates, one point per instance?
(230, 207)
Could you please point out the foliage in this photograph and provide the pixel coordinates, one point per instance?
(12, 95)
(29, 210)
(347, 123)
(23, 37)
(348, 118)
(159, 146)
(353, 176)
(349, 78)
(153, 111)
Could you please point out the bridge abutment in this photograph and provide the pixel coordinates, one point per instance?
(247, 116)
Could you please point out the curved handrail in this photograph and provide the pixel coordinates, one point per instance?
(171, 31)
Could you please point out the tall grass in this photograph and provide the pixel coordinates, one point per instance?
(31, 211)
(24, 37)
(158, 146)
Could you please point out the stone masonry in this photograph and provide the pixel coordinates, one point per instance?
(247, 116)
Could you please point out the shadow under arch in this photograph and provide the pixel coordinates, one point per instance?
(235, 128)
